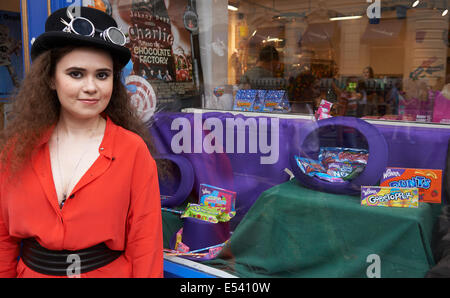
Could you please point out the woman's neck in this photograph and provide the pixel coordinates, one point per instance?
(80, 128)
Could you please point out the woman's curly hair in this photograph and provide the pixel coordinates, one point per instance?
(35, 108)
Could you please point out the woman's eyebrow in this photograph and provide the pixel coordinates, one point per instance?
(75, 68)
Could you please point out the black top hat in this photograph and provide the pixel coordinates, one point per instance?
(55, 35)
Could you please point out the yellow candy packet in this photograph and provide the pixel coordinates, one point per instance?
(404, 197)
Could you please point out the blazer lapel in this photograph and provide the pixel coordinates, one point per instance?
(97, 169)
(42, 166)
(105, 158)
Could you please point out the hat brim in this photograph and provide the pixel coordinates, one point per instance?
(55, 39)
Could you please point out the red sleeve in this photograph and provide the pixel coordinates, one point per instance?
(144, 239)
(9, 250)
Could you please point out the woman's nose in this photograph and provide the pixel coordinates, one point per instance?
(90, 85)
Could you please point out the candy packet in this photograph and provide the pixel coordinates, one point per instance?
(309, 166)
(339, 169)
(324, 110)
(357, 169)
(206, 213)
(337, 154)
(329, 178)
(180, 246)
(335, 164)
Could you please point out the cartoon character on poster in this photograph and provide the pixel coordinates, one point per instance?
(8, 47)
(183, 65)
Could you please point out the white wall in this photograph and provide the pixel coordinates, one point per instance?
(213, 38)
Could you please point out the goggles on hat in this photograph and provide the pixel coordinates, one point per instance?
(83, 26)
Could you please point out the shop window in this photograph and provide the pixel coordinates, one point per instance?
(11, 56)
(391, 67)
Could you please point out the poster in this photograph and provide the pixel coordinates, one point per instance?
(159, 38)
(11, 59)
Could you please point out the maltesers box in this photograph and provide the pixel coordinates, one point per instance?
(428, 181)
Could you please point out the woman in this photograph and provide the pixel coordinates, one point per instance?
(368, 103)
(368, 73)
(77, 179)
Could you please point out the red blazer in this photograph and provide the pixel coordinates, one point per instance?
(117, 201)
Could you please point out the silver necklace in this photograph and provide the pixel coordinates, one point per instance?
(65, 188)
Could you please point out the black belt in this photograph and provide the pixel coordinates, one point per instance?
(61, 263)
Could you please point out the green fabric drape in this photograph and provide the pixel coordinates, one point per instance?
(292, 231)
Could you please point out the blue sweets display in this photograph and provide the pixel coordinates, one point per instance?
(252, 100)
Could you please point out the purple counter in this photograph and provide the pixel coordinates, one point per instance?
(249, 154)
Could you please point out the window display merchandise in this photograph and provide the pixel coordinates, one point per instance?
(364, 166)
(259, 100)
(206, 226)
(429, 182)
(335, 164)
(390, 196)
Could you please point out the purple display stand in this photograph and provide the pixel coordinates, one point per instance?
(199, 234)
(184, 181)
(376, 164)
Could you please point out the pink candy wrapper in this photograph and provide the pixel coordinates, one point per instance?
(324, 110)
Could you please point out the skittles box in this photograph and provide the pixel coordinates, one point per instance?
(217, 197)
(389, 196)
(429, 182)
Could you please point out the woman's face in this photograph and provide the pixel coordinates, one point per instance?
(83, 80)
(366, 73)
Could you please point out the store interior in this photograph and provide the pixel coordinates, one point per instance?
(407, 48)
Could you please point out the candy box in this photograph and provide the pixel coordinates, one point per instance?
(244, 99)
(389, 196)
(273, 100)
(428, 181)
(258, 103)
(217, 197)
